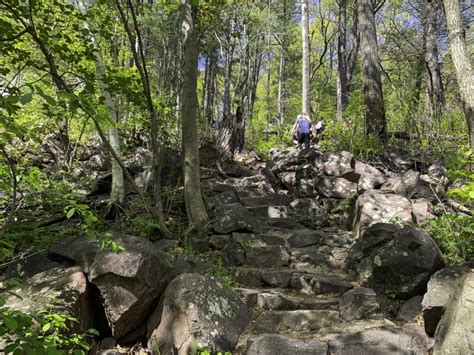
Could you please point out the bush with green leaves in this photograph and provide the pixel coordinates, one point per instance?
(46, 331)
(453, 234)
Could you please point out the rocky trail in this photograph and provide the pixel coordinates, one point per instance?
(309, 253)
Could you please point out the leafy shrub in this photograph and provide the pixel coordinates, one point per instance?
(44, 332)
(453, 233)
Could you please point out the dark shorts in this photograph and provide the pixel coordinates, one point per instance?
(304, 139)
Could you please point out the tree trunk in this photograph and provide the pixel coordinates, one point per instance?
(434, 83)
(117, 193)
(462, 64)
(195, 208)
(375, 122)
(306, 105)
(281, 100)
(342, 60)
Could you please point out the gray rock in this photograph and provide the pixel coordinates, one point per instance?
(267, 256)
(336, 187)
(129, 282)
(222, 242)
(336, 164)
(277, 278)
(455, 333)
(423, 210)
(410, 339)
(198, 311)
(186, 263)
(270, 200)
(410, 310)
(305, 237)
(440, 287)
(29, 266)
(295, 321)
(67, 287)
(269, 211)
(235, 217)
(319, 284)
(375, 207)
(272, 344)
(370, 177)
(248, 277)
(394, 259)
(359, 303)
(407, 184)
(229, 196)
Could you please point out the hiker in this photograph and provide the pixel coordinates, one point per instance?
(319, 131)
(302, 130)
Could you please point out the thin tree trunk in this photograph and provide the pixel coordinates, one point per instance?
(342, 61)
(281, 101)
(117, 193)
(140, 62)
(195, 208)
(305, 97)
(375, 122)
(462, 64)
(435, 89)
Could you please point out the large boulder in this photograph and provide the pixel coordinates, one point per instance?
(67, 288)
(197, 312)
(395, 259)
(410, 339)
(455, 333)
(375, 207)
(129, 282)
(336, 187)
(235, 217)
(336, 164)
(370, 177)
(440, 287)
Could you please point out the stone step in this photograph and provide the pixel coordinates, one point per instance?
(301, 321)
(278, 299)
(319, 284)
(270, 211)
(295, 279)
(274, 344)
(268, 200)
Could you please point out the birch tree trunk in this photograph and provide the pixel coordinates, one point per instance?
(434, 83)
(195, 208)
(462, 64)
(375, 122)
(117, 193)
(306, 106)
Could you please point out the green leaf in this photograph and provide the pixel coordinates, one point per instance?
(26, 98)
(70, 213)
(11, 323)
(46, 327)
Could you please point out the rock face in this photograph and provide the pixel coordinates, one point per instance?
(68, 286)
(375, 207)
(455, 333)
(395, 259)
(440, 287)
(197, 312)
(272, 344)
(129, 282)
(410, 339)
